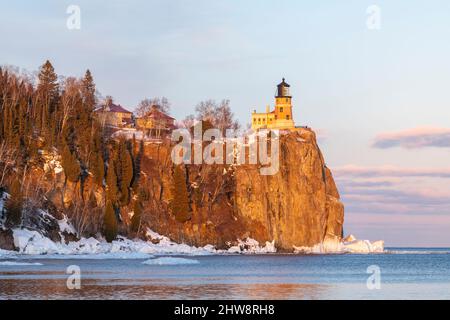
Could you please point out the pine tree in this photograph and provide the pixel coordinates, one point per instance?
(99, 168)
(85, 118)
(137, 164)
(110, 227)
(126, 172)
(14, 204)
(137, 216)
(47, 98)
(180, 202)
(96, 162)
(70, 164)
(88, 91)
(112, 190)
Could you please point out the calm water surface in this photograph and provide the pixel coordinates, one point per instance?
(408, 274)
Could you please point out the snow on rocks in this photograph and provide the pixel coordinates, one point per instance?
(52, 162)
(252, 246)
(349, 238)
(65, 226)
(348, 245)
(31, 242)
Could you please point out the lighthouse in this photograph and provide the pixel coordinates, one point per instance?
(281, 116)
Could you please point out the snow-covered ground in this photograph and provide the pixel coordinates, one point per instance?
(128, 133)
(33, 243)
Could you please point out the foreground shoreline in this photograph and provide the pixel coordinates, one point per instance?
(30, 242)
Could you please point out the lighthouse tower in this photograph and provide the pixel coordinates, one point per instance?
(281, 117)
(283, 107)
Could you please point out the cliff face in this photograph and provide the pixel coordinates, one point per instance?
(298, 206)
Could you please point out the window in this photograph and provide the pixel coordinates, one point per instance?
(281, 109)
(287, 117)
(287, 99)
(264, 120)
(254, 120)
(276, 117)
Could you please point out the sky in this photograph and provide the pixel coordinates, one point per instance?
(377, 94)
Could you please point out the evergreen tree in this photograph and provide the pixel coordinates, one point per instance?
(14, 204)
(137, 164)
(70, 164)
(98, 168)
(126, 172)
(112, 191)
(47, 101)
(96, 162)
(180, 202)
(88, 91)
(85, 119)
(110, 227)
(137, 216)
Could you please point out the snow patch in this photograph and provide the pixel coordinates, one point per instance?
(65, 226)
(128, 133)
(170, 261)
(252, 246)
(348, 245)
(32, 242)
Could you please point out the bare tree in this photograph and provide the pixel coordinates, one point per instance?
(145, 106)
(70, 96)
(8, 157)
(188, 121)
(218, 114)
(205, 110)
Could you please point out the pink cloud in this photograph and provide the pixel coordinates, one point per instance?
(414, 138)
(390, 171)
(390, 189)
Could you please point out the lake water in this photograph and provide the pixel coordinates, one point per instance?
(404, 274)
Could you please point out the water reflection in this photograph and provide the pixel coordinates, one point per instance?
(125, 289)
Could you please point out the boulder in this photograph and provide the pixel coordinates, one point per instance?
(7, 240)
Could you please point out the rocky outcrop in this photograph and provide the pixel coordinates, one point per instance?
(298, 206)
(7, 240)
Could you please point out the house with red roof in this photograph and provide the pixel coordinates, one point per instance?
(114, 115)
(155, 122)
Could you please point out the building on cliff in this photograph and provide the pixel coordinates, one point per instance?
(114, 115)
(155, 123)
(281, 116)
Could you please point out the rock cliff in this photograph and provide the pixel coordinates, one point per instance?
(298, 206)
